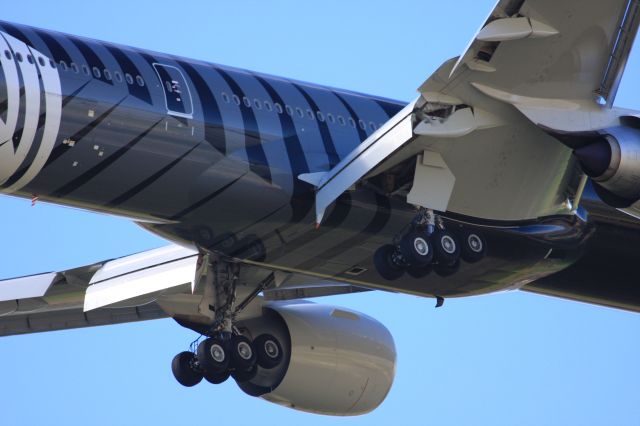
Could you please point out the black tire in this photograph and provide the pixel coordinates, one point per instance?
(269, 351)
(446, 270)
(419, 272)
(446, 247)
(386, 267)
(416, 249)
(241, 376)
(185, 370)
(243, 354)
(216, 379)
(213, 355)
(473, 246)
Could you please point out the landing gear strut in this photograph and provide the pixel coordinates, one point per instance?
(226, 352)
(428, 246)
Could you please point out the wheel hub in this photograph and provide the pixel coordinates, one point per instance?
(475, 243)
(217, 353)
(244, 350)
(271, 349)
(421, 246)
(448, 244)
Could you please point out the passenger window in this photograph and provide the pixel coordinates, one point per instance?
(107, 75)
(257, 104)
(140, 80)
(85, 69)
(362, 124)
(330, 118)
(341, 120)
(352, 122)
(310, 114)
(63, 65)
(236, 100)
(372, 125)
(289, 110)
(118, 76)
(129, 78)
(246, 102)
(267, 105)
(96, 72)
(278, 108)
(320, 116)
(225, 98)
(300, 112)
(19, 57)
(7, 54)
(74, 67)
(42, 62)
(30, 59)
(53, 64)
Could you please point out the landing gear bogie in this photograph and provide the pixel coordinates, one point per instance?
(428, 245)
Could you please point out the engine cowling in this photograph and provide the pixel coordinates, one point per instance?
(337, 362)
(613, 162)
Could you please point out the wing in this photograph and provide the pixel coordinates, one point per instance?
(482, 127)
(154, 284)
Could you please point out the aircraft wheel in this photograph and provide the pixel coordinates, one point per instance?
(184, 369)
(385, 262)
(419, 272)
(446, 247)
(213, 355)
(416, 248)
(473, 248)
(218, 378)
(243, 355)
(447, 270)
(245, 375)
(268, 351)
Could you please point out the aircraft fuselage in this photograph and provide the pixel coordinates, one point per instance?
(209, 155)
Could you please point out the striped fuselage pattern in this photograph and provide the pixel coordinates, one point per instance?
(209, 155)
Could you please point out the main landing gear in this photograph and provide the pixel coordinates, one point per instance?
(429, 246)
(226, 352)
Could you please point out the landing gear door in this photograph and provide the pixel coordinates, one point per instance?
(176, 91)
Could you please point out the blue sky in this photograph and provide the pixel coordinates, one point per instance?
(505, 359)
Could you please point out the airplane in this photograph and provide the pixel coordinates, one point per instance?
(397, 184)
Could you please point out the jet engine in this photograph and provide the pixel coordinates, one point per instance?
(613, 162)
(336, 361)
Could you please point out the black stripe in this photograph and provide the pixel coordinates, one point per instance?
(327, 140)
(205, 200)
(255, 152)
(149, 181)
(15, 32)
(214, 132)
(334, 219)
(380, 219)
(61, 149)
(22, 117)
(389, 108)
(4, 95)
(361, 133)
(128, 67)
(90, 174)
(73, 95)
(295, 151)
(92, 59)
(302, 199)
(57, 51)
(37, 142)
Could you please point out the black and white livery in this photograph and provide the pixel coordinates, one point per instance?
(511, 170)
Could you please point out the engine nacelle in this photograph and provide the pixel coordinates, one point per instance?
(613, 162)
(337, 362)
